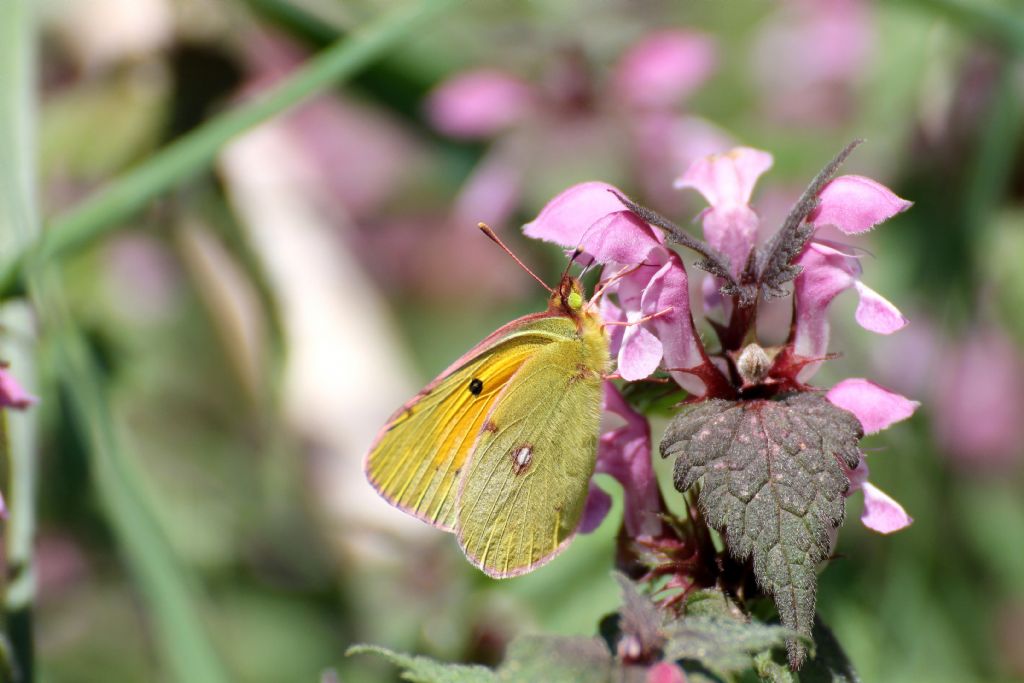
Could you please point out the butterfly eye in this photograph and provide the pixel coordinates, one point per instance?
(476, 386)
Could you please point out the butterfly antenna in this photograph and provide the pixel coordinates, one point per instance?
(572, 259)
(486, 229)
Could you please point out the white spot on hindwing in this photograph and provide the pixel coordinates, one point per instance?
(521, 456)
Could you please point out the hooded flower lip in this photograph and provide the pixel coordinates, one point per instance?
(727, 182)
(877, 408)
(856, 204)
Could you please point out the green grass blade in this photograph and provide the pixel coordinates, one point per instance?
(19, 227)
(194, 151)
(1003, 23)
(171, 596)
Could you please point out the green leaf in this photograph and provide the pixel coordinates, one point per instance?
(722, 644)
(427, 670)
(769, 670)
(711, 602)
(554, 659)
(640, 620)
(830, 663)
(773, 486)
(557, 659)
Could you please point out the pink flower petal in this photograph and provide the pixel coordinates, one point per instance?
(620, 237)
(875, 406)
(612, 313)
(882, 513)
(568, 217)
(669, 288)
(876, 313)
(595, 509)
(665, 672)
(625, 453)
(727, 179)
(641, 351)
(732, 230)
(825, 274)
(479, 104)
(12, 395)
(855, 204)
(665, 67)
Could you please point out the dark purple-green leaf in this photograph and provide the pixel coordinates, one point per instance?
(772, 485)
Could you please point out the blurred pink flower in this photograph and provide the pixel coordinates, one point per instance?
(356, 161)
(651, 80)
(809, 57)
(665, 67)
(332, 131)
(877, 408)
(12, 395)
(979, 400)
(666, 672)
(480, 103)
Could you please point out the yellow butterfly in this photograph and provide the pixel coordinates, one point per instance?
(500, 447)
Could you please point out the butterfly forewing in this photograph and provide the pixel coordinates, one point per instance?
(421, 453)
(523, 494)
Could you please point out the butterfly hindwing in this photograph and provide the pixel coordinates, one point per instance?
(420, 455)
(522, 496)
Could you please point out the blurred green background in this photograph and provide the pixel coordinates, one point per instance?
(216, 341)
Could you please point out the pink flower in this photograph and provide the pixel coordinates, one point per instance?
(853, 204)
(625, 453)
(979, 400)
(480, 103)
(12, 395)
(881, 512)
(727, 182)
(544, 127)
(649, 280)
(877, 408)
(666, 672)
(664, 68)
(809, 57)
(827, 272)
(856, 204)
